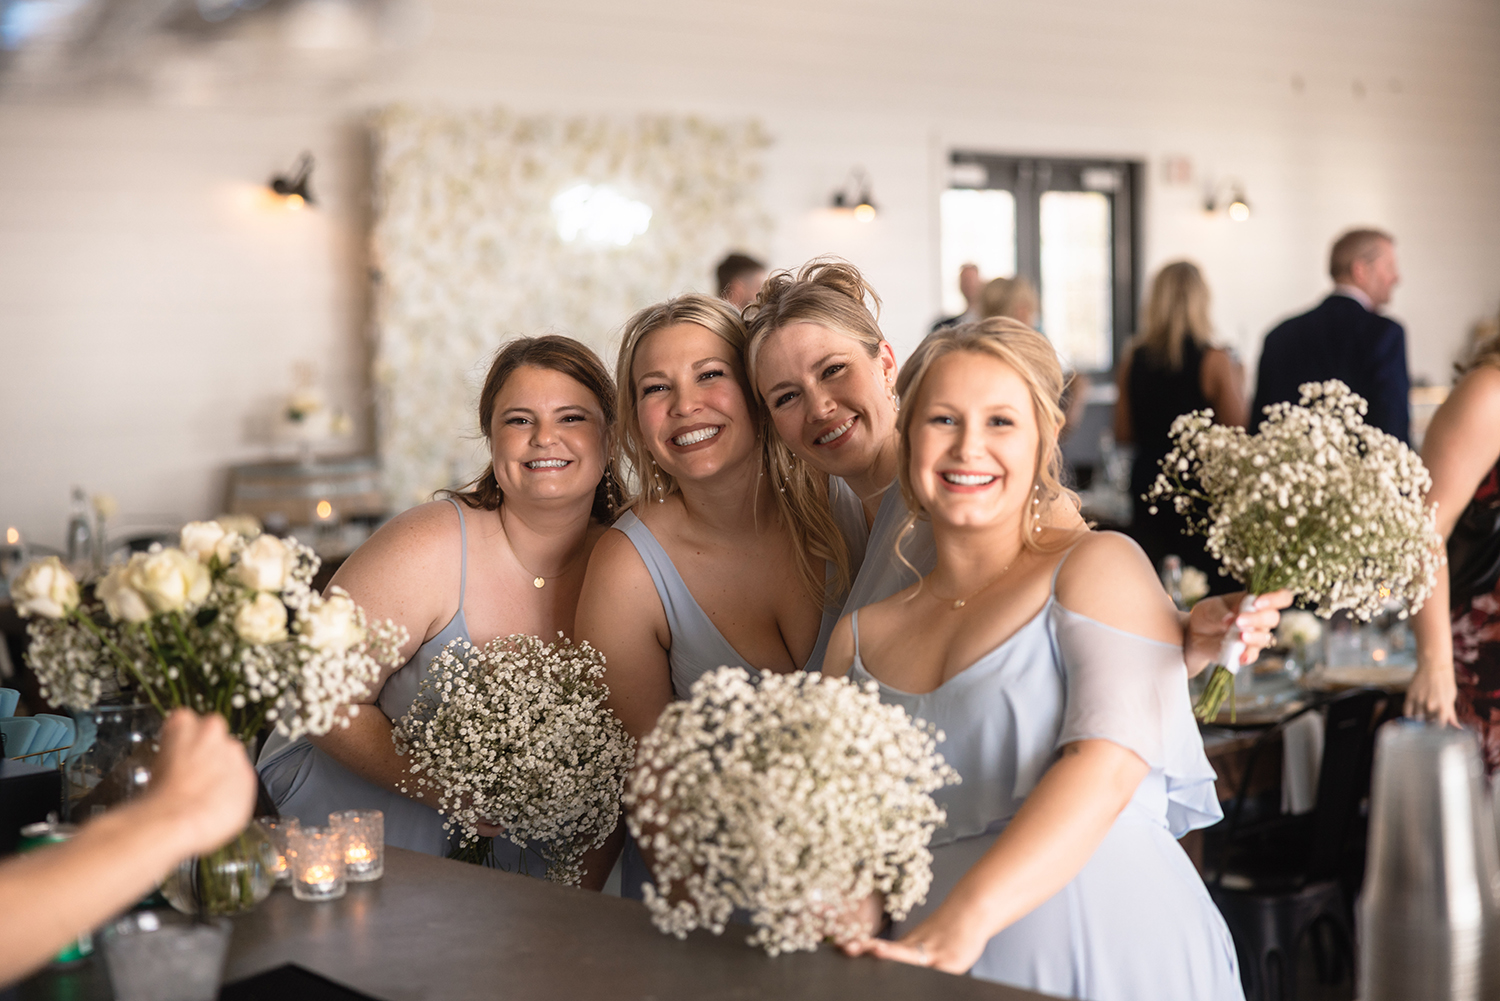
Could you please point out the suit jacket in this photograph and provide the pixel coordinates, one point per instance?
(1339, 339)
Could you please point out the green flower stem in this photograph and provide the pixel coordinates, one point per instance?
(119, 655)
(178, 699)
(1219, 688)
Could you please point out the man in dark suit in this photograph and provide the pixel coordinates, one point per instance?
(1345, 338)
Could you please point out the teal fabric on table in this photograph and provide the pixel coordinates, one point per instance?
(306, 783)
(56, 735)
(1136, 923)
(9, 699)
(20, 732)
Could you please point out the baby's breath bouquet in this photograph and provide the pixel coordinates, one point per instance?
(794, 800)
(1318, 502)
(220, 624)
(517, 734)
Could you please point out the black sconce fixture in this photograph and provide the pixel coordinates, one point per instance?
(855, 197)
(296, 190)
(1228, 198)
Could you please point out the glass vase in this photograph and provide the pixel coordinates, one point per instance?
(231, 880)
(112, 757)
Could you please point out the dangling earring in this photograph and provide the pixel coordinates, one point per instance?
(1036, 508)
(656, 487)
(895, 402)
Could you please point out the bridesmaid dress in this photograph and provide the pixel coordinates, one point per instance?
(306, 783)
(1136, 923)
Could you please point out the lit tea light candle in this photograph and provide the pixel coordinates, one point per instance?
(316, 855)
(12, 536)
(325, 510)
(278, 829)
(364, 843)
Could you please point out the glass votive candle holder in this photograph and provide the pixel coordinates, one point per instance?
(364, 843)
(317, 858)
(277, 829)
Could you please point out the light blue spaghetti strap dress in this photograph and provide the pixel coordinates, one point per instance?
(697, 645)
(1136, 923)
(308, 784)
(880, 571)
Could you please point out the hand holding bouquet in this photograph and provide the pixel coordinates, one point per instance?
(517, 734)
(795, 800)
(1318, 502)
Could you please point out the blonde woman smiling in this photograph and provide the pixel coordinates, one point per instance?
(1051, 659)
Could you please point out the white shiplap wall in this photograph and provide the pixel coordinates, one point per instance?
(151, 307)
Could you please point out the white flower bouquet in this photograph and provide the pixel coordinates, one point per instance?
(517, 734)
(794, 800)
(1317, 501)
(222, 624)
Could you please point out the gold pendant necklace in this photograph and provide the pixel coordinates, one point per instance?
(958, 603)
(537, 580)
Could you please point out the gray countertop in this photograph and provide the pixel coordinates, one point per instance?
(432, 928)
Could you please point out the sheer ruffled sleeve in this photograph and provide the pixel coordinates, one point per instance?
(1132, 691)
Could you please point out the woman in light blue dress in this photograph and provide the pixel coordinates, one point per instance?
(506, 555)
(1051, 660)
(826, 377)
(706, 568)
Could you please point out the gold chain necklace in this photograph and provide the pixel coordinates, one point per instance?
(537, 580)
(961, 602)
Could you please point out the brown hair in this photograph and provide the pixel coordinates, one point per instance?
(1485, 347)
(832, 293)
(1176, 309)
(1008, 297)
(558, 354)
(1034, 360)
(1355, 245)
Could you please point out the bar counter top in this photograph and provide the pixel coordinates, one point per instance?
(438, 929)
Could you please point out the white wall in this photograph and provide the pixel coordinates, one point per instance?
(151, 308)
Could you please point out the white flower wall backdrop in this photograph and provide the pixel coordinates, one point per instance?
(492, 225)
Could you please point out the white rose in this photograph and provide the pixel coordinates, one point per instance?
(229, 547)
(262, 620)
(264, 564)
(200, 539)
(45, 588)
(123, 602)
(331, 625)
(170, 580)
(1298, 628)
(1194, 586)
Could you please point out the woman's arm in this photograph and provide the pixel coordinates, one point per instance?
(1072, 808)
(1461, 445)
(620, 614)
(1223, 382)
(408, 572)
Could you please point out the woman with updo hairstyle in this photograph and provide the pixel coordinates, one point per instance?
(506, 554)
(1012, 297)
(1050, 658)
(1170, 368)
(826, 378)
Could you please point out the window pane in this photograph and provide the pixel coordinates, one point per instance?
(1076, 310)
(977, 227)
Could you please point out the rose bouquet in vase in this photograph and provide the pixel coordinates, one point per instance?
(221, 624)
(797, 800)
(1317, 502)
(517, 734)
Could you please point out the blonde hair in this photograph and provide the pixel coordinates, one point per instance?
(832, 293)
(1176, 309)
(1035, 360)
(655, 484)
(1012, 297)
(1485, 347)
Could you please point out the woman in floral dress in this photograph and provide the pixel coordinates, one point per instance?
(1458, 631)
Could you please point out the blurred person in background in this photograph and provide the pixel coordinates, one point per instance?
(201, 794)
(1170, 368)
(1012, 297)
(740, 277)
(1345, 337)
(1458, 629)
(972, 287)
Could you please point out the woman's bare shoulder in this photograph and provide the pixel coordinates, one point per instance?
(1107, 577)
(418, 542)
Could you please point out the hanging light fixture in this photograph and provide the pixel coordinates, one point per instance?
(1230, 199)
(855, 196)
(295, 191)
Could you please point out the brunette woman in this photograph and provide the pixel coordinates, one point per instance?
(505, 555)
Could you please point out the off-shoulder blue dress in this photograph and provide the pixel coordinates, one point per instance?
(1136, 923)
(306, 783)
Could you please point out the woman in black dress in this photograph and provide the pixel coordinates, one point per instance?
(1170, 368)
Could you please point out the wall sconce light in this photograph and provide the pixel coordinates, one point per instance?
(295, 191)
(855, 197)
(1228, 198)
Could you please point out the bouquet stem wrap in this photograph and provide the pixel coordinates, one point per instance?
(1223, 672)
